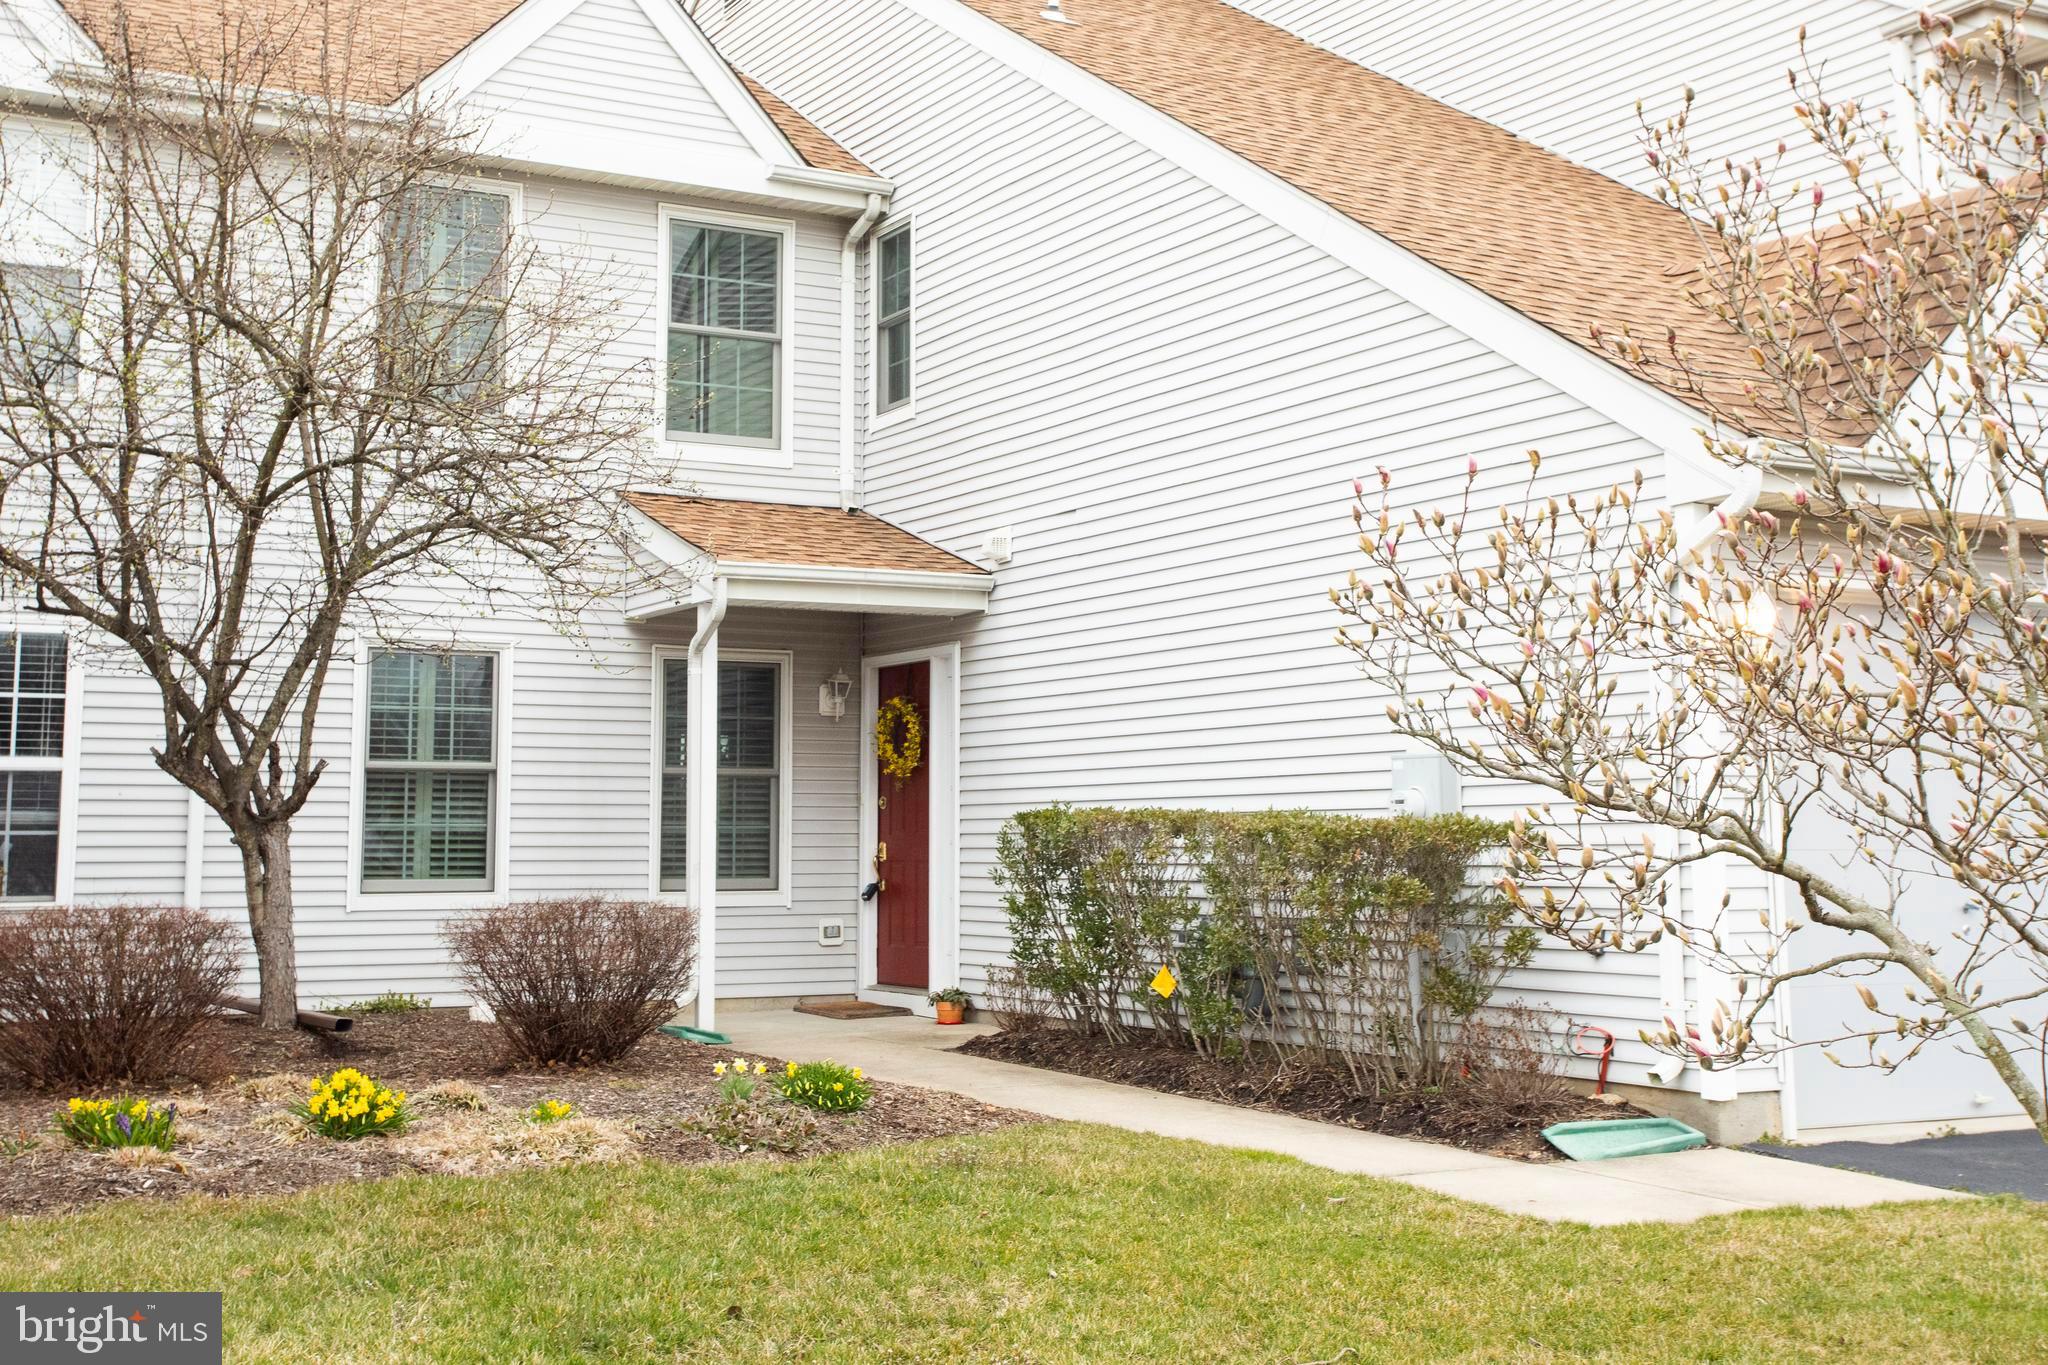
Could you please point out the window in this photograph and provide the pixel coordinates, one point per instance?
(724, 333)
(40, 324)
(448, 251)
(892, 319)
(430, 769)
(749, 775)
(32, 677)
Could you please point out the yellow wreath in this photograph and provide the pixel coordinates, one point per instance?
(899, 761)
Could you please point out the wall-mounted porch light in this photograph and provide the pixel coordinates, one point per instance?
(832, 694)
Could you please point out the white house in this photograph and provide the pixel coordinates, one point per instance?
(1084, 317)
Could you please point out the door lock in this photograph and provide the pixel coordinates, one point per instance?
(869, 892)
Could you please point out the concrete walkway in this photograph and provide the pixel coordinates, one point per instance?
(1652, 1189)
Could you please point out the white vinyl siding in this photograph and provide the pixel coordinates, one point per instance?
(604, 72)
(750, 775)
(430, 761)
(32, 724)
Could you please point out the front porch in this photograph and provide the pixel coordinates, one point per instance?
(796, 827)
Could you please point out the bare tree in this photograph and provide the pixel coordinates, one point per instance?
(1861, 650)
(272, 382)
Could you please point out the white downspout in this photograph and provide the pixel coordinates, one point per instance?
(701, 823)
(849, 255)
(1749, 484)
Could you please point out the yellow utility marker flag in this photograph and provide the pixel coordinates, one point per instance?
(1164, 983)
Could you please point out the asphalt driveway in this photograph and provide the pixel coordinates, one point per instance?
(2013, 1162)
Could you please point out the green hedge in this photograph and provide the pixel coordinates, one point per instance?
(1362, 943)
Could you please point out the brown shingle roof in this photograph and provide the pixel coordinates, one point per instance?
(1562, 244)
(783, 533)
(808, 139)
(391, 45)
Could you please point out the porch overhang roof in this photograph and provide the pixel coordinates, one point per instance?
(794, 556)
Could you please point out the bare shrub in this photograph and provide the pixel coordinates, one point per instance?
(95, 994)
(1509, 1070)
(1013, 1002)
(577, 980)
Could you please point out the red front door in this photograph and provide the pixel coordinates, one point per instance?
(903, 922)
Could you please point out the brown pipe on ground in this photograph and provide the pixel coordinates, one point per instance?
(332, 1023)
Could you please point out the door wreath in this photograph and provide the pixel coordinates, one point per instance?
(899, 755)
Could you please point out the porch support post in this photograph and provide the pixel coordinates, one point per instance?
(701, 820)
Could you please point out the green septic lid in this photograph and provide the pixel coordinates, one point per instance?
(1606, 1139)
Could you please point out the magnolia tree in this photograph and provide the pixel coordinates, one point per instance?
(273, 384)
(1856, 657)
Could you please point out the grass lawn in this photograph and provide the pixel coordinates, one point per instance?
(1044, 1243)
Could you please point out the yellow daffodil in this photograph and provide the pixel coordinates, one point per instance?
(718, 1068)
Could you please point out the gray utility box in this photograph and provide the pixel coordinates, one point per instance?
(1425, 784)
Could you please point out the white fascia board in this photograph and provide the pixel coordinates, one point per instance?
(1642, 408)
(534, 147)
(887, 591)
(467, 71)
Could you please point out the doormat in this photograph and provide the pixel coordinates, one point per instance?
(848, 1009)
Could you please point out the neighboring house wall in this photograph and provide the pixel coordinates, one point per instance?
(1165, 396)
(1567, 74)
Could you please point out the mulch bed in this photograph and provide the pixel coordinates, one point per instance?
(1322, 1095)
(233, 1141)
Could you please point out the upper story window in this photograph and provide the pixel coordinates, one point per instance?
(750, 775)
(724, 333)
(448, 257)
(892, 319)
(430, 771)
(39, 325)
(32, 679)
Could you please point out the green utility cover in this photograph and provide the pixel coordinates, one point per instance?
(1606, 1139)
(696, 1035)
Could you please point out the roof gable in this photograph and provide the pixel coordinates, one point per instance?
(1562, 245)
(393, 46)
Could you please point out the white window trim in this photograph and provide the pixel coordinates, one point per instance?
(414, 902)
(781, 898)
(882, 419)
(708, 449)
(66, 765)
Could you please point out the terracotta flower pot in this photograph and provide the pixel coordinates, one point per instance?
(951, 1012)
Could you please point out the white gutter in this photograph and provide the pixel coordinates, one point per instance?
(849, 251)
(701, 823)
(1749, 485)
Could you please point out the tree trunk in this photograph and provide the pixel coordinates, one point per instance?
(267, 883)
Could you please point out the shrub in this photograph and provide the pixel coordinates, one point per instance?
(824, 1085)
(577, 981)
(93, 995)
(1013, 1002)
(349, 1105)
(1365, 944)
(123, 1122)
(551, 1111)
(390, 1002)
